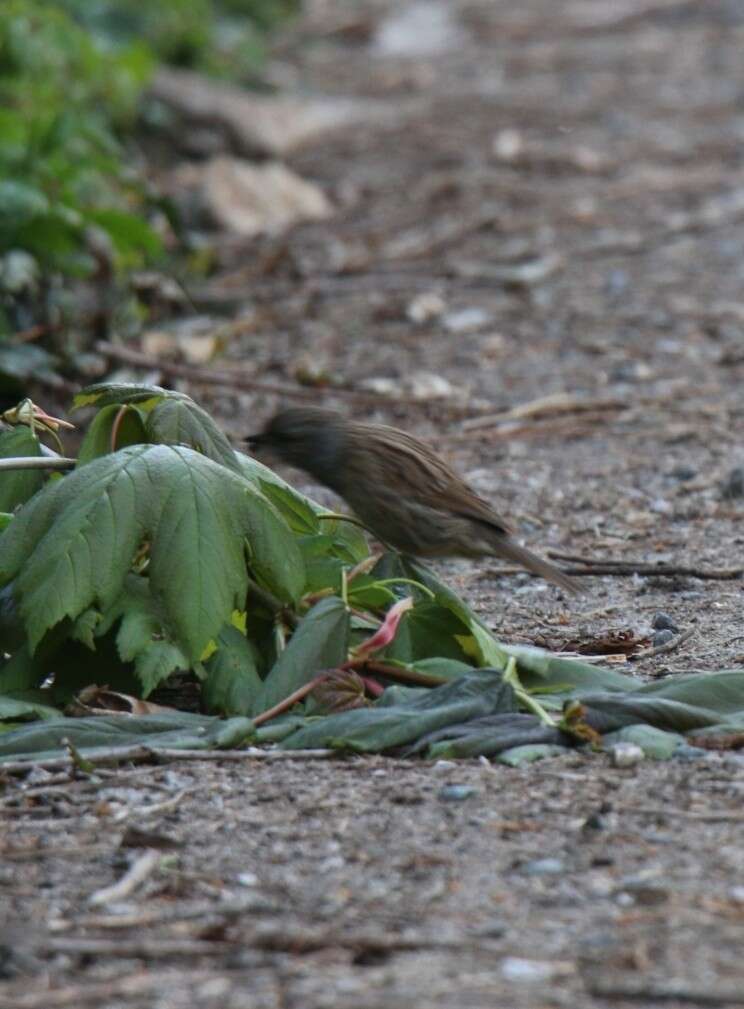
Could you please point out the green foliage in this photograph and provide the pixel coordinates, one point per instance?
(63, 99)
(220, 36)
(166, 550)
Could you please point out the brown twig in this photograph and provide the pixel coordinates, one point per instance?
(289, 701)
(397, 673)
(650, 993)
(236, 380)
(624, 569)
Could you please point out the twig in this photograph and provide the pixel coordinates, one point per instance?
(650, 993)
(687, 814)
(233, 380)
(624, 569)
(404, 675)
(668, 646)
(558, 403)
(157, 807)
(138, 872)
(37, 462)
(289, 701)
(117, 755)
(145, 949)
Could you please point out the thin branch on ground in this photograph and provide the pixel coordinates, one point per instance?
(137, 873)
(236, 380)
(625, 569)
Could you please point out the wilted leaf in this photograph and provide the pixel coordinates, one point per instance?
(396, 723)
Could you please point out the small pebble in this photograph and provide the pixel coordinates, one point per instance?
(444, 766)
(663, 622)
(642, 891)
(625, 754)
(733, 485)
(683, 472)
(466, 320)
(661, 638)
(456, 793)
(493, 929)
(514, 968)
(736, 893)
(543, 867)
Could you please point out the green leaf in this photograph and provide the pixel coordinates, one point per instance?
(483, 647)
(73, 544)
(429, 631)
(20, 203)
(299, 512)
(320, 642)
(105, 393)
(97, 440)
(17, 486)
(16, 710)
(156, 663)
(130, 234)
(232, 682)
(296, 509)
(182, 422)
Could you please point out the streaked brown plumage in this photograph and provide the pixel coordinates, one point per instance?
(398, 488)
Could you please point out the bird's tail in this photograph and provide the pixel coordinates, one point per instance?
(512, 551)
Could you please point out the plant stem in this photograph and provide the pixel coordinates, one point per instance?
(402, 673)
(37, 462)
(527, 701)
(289, 701)
(269, 600)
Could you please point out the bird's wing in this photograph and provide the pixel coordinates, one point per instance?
(414, 470)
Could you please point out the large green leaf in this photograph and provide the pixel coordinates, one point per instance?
(73, 544)
(320, 642)
(182, 422)
(232, 682)
(17, 486)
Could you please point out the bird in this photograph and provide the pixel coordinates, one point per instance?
(398, 488)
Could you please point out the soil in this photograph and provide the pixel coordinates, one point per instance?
(558, 190)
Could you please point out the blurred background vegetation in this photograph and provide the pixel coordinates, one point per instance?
(73, 203)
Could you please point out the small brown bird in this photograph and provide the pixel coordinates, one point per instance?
(398, 488)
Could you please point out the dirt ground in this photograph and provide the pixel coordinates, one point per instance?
(554, 204)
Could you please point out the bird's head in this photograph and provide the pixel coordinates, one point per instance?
(309, 437)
